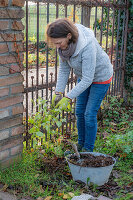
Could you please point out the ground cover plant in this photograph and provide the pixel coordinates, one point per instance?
(44, 172)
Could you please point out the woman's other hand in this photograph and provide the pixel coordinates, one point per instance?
(56, 98)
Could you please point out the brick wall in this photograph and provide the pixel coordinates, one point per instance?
(11, 80)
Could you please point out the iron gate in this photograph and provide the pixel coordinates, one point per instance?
(108, 19)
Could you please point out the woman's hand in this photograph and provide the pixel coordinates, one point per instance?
(64, 103)
(56, 98)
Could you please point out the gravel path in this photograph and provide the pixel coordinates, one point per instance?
(32, 72)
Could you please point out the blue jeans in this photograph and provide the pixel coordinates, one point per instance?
(87, 106)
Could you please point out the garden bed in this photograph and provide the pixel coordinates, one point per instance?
(44, 172)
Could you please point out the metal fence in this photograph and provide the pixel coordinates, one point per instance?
(108, 19)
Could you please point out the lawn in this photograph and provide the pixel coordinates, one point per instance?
(44, 172)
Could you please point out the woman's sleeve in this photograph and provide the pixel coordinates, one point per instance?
(63, 75)
(88, 70)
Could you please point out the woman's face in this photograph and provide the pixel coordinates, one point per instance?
(61, 43)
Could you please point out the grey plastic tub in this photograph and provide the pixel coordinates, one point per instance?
(96, 175)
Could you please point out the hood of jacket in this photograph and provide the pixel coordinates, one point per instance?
(86, 35)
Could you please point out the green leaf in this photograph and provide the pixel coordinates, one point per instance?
(32, 130)
(39, 134)
(31, 120)
(58, 123)
(63, 120)
(47, 127)
(34, 143)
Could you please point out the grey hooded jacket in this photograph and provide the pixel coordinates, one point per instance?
(90, 63)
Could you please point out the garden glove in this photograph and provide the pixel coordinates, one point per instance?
(56, 98)
(63, 104)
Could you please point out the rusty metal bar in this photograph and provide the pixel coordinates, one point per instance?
(37, 64)
(113, 34)
(32, 94)
(72, 78)
(62, 128)
(74, 11)
(26, 73)
(40, 87)
(117, 54)
(67, 112)
(107, 39)
(82, 15)
(57, 10)
(95, 21)
(47, 55)
(65, 10)
(122, 48)
(74, 121)
(42, 92)
(51, 74)
(107, 31)
(112, 47)
(101, 30)
(125, 48)
(89, 10)
(44, 86)
(42, 76)
(56, 53)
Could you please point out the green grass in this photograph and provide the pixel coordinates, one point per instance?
(26, 176)
(22, 173)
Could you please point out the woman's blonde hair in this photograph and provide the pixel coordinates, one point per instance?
(60, 29)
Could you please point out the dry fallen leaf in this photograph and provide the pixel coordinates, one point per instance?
(68, 174)
(122, 129)
(112, 123)
(130, 184)
(70, 194)
(4, 187)
(41, 189)
(36, 175)
(105, 134)
(48, 198)
(66, 196)
(112, 130)
(39, 198)
(60, 194)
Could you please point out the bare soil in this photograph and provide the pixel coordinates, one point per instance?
(89, 160)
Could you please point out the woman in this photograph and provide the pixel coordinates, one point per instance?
(79, 49)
